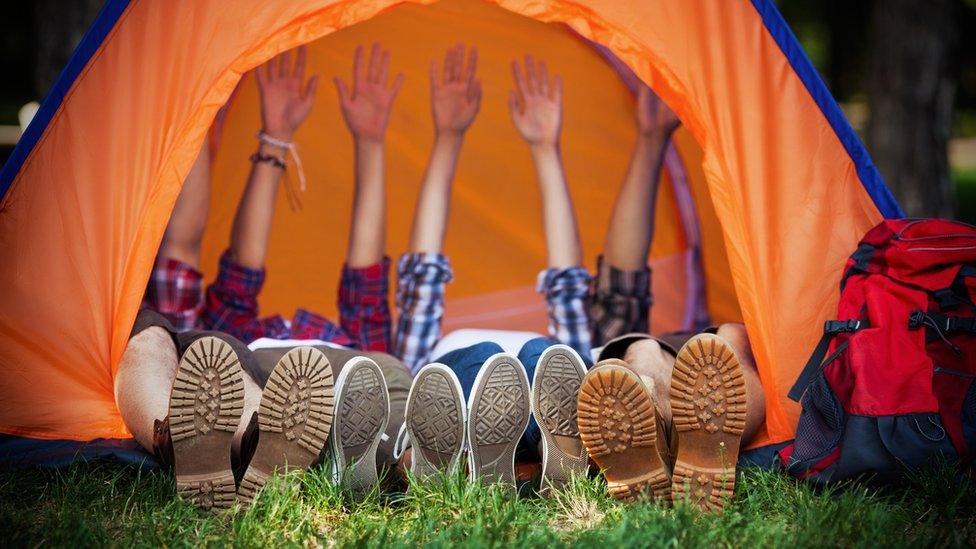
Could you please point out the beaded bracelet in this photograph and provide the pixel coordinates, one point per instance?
(269, 159)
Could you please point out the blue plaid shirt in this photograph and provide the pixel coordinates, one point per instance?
(567, 298)
(421, 279)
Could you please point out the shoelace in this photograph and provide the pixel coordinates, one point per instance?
(293, 199)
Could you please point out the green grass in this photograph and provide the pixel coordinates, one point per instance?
(109, 505)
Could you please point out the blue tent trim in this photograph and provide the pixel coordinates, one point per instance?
(100, 28)
(866, 170)
(19, 452)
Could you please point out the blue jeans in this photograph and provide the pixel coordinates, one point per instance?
(467, 362)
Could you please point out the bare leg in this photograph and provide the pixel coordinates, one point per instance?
(735, 334)
(654, 365)
(145, 379)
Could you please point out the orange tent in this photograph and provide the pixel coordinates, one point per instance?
(767, 189)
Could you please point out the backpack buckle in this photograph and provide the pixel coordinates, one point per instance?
(839, 326)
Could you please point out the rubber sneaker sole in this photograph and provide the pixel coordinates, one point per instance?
(205, 407)
(498, 413)
(435, 421)
(555, 393)
(619, 430)
(363, 411)
(294, 418)
(708, 400)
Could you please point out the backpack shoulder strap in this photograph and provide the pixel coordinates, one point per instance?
(817, 363)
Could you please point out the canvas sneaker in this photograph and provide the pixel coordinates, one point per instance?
(362, 414)
(498, 413)
(555, 392)
(435, 419)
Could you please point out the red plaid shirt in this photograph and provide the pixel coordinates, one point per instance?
(231, 305)
(174, 291)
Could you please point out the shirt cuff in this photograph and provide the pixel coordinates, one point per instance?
(624, 283)
(567, 280)
(430, 268)
(365, 285)
(246, 280)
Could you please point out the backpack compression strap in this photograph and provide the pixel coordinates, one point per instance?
(817, 363)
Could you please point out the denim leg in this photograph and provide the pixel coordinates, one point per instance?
(467, 362)
(528, 449)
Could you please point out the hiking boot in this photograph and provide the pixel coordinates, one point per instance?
(708, 404)
(293, 419)
(618, 425)
(555, 392)
(363, 410)
(205, 407)
(498, 413)
(435, 421)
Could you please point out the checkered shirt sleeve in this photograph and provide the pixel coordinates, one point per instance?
(566, 291)
(421, 280)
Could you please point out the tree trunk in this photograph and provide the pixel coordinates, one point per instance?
(911, 90)
(59, 26)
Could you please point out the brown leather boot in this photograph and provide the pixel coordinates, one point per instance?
(205, 407)
(618, 425)
(708, 403)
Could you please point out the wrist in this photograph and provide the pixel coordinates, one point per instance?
(272, 150)
(543, 148)
(448, 133)
(448, 137)
(278, 134)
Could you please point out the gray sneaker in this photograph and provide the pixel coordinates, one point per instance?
(498, 413)
(362, 413)
(435, 421)
(555, 391)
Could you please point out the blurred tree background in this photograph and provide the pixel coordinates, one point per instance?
(904, 71)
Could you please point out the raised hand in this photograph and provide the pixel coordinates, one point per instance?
(455, 95)
(653, 116)
(366, 108)
(285, 103)
(536, 103)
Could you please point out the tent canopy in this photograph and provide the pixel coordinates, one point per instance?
(782, 186)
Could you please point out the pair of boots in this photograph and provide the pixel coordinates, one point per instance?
(302, 409)
(690, 456)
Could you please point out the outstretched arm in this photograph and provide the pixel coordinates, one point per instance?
(631, 227)
(535, 106)
(422, 274)
(366, 109)
(455, 96)
(285, 103)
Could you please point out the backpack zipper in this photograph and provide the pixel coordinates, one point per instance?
(899, 234)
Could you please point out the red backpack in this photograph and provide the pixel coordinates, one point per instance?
(890, 388)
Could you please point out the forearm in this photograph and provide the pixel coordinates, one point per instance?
(559, 219)
(367, 236)
(433, 204)
(184, 232)
(631, 227)
(255, 212)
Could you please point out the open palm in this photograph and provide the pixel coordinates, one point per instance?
(285, 102)
(536, 103)
(455, 95)
(366, 108)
